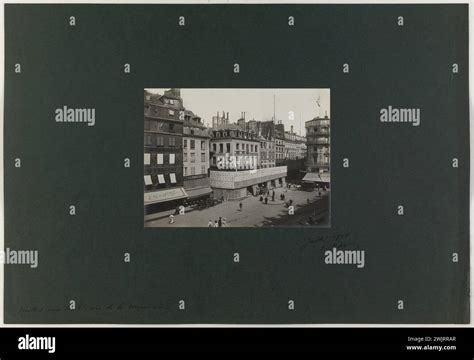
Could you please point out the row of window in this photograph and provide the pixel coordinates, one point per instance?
(193, 143)
(160, 140)
(165, 126)
(318, 130)
(268, 145)
(169, 101)
(162, 179)
(155, 110)
(231, 133)
(160, 159)
(318, 149)
(192, 157)
(247, 147)
(195, 131)
(159, 179)
(192, 170)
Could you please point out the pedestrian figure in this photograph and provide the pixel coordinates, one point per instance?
(171, 219)
(210, 224)
(220, 222)
(224, 222)
(266, 201)
(216, 224)
(176, 212)
(284, 197)
(240, 206)
(261, 198)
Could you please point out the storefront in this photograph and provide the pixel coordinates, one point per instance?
(162, 200)
(313, 180)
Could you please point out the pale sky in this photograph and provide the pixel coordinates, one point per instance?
(257, 104)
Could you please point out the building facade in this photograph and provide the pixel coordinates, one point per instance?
(236, 164)
(279, 147)
(195, 158)
(163, 161)
(294, 145)
(266, 132)
(318, 142)
(233, 140)
(267, 152)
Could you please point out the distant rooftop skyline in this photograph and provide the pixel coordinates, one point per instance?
(257, 104)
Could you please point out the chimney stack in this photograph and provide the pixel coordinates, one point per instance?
(227, 115)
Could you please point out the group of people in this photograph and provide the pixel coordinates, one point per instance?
(222, 222)
(265, 199)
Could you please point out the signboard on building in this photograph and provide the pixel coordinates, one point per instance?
(165, 195)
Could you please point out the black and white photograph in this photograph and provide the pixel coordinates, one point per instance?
(237, 157)
(330, 141)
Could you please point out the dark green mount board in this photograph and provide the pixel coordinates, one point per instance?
(416, 264)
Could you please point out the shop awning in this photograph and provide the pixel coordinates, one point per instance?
(198, 192)
(315, 177)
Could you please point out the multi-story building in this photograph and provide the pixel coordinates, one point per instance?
(267, 152)
(252, 125)
(302, 150)
(294, 145)
(236, 168)
(163, 162)
(195, 158)
(266, 131)
(233, 140)
(279, 147)
(318, 142)
(241, 122)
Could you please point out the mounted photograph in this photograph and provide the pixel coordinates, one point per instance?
(237, 157)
